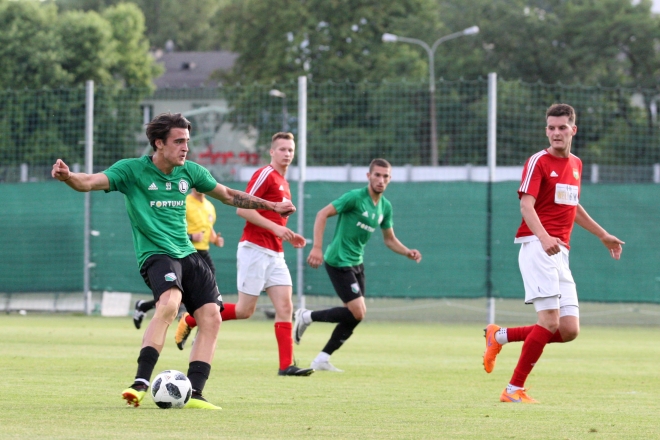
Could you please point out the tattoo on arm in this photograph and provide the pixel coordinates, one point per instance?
(243, 200)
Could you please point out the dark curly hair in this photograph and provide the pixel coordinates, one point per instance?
(160, 126)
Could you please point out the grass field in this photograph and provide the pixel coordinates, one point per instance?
(402, 381)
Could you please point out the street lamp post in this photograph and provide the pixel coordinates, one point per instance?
(285, 115)
(391, 38)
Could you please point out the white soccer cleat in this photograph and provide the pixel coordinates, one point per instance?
(299, 325)
(325, 366)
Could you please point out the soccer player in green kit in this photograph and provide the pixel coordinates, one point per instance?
(360, 212)
(155, 189)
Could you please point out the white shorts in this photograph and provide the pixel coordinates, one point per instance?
(546, 277)
(257, 271)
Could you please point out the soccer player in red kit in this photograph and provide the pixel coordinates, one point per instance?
(260, 255)
(550, 205)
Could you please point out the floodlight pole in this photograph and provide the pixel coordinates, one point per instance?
(430, 50)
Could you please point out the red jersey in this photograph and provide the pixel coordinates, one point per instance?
(555, 183)
(270, 185)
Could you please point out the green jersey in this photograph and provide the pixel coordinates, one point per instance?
(358, 219)
(156, 203)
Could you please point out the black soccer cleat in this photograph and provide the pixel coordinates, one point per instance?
(292, 370)
(138, 315)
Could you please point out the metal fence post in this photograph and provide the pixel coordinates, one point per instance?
(89, 169)
(302, 175)
(492, 164)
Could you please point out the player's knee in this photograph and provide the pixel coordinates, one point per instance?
(359, 314)
(551, 326)
(284, 311)
(209, 320)
(167, 310)
(244, 312)
(570, 334)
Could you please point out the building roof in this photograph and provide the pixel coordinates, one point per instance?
(192, 69)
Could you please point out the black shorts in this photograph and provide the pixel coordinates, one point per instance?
(206, 255)
(347, 281)
(190, 274)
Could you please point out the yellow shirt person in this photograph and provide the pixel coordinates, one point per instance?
(200, 216)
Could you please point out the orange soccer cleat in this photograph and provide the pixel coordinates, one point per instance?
(182, 332)
(518, 396)
(493, 347)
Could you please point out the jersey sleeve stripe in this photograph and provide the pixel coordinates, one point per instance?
(530, 168)
(261, 179)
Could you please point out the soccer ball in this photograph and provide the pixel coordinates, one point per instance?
(171, 389)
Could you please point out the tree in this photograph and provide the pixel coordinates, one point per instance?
(279, 40)
(39, 48)
(134, 66)
(88, 50)
(190, 24)
(30, 49)
(609, 42)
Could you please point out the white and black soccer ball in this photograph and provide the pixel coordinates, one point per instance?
(171, 389)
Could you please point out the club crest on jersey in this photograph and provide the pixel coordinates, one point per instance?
(576, 174)
(183, 186)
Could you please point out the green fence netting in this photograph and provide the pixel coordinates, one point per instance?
(348, 123)
(445, 221)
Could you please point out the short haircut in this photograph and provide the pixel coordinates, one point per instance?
(561, 110)
(379, 163)
(160, 126)
(281, 135)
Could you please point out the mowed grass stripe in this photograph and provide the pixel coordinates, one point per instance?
(63, 377)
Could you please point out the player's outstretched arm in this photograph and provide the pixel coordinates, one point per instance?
(257, 219)
(395, 245)
(315, 257)
(612, 243)
(81, 182)
(240, 199)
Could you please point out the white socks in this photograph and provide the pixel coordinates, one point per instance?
(322, 357)
(307, 316)
(501, 336)
(512, 388)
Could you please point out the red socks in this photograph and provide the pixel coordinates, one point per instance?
(282, 334)
(284, 343)
(191, 321)
(227, 314)
(517, 334)
(531, 352)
